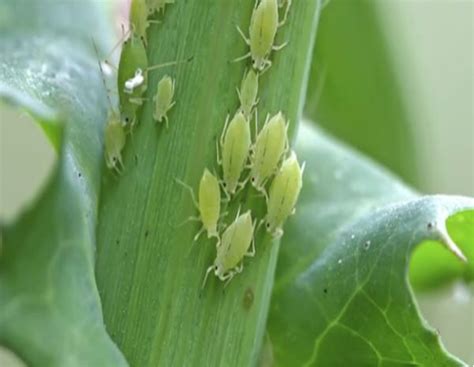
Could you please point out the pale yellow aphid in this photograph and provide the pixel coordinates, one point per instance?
(114, 134)
(235, 144)
(209, 204)
(234, 245)
(248, 93)
(164, 99)
(284, 192)
(262, 31)
(139, 18)
(157, 5)
(114, 143)
(268, 150)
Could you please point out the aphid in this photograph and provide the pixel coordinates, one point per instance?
(262, 31)
(267, 151)
(209, 204)
(164, 99)
(114, 143)
(284, 192)
(235, 144)
(114, 136)
(133, 62)
(234, 245)
(139, 11)
(248, 93)
(157, 5)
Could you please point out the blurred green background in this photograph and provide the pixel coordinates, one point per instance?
(393, 78)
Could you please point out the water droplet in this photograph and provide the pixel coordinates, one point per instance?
(353, 236)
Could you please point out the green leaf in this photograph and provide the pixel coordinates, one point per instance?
(354, 91)
(424, 276)
(148, 273)
(342, 270)
(50, 312)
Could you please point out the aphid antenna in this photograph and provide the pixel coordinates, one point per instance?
(102, 73)
(209, 269)
(170, 63)
(190, 189)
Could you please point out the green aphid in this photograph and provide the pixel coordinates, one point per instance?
(234, 245)
(164, 99)
(262, 31)
(208, 205)
(139, 11)
(248, 93)
(114, 143)
(284, 192)
(132, 66)
(268, 150)
(235, 144)
(157, 5)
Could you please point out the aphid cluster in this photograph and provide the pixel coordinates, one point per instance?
(132, 81)
(264, 159)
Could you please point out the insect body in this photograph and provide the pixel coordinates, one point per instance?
(208, 205)
(139, 18)
(268, 150)
(262, 31)
(248, 93)
(234, 245)
(235, 144)
(284, 192)
(131, 78)
(158, 5)
(164, 99)
(114, 143)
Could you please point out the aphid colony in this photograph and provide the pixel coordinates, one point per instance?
(132, 82)
(265, 160)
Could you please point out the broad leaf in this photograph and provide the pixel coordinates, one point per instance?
(341, 294)
(50, 312)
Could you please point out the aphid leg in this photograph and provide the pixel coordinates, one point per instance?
(247, 41)
(279, 47)
(251, 252)
(285, 16)
(190, 189)
(209, 269)
(229, 277)
(246, 56)
(189, 219)
(277, 233)
(267, 64)
(166, 121)
(196, 237)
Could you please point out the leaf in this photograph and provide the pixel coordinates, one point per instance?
(354, 91)
(342, 270)
(149, 273)
(50, 312)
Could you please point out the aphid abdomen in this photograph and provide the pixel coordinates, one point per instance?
(235, 148)
(269, 148)
(239, 238)
(209, 202)
(284, 192)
